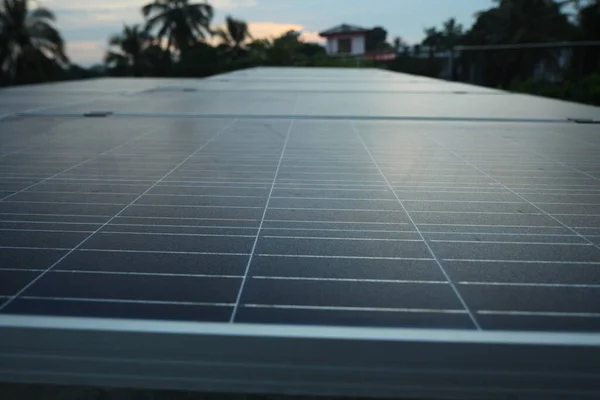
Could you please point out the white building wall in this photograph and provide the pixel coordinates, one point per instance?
(332, 46)
(358, 44)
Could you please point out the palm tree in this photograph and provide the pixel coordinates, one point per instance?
(399, 44)
(433, 40)
(182, 22)
(452, 34)
(235, 35)
(28, 39)
(446, 39)
(132, 45)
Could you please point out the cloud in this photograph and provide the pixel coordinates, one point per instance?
(77, 19)
(312, 37)
(108, 13)
(232, 4)
(263, 30)
(267, 30)
(95, 5)
(86, 51)
(123, 4)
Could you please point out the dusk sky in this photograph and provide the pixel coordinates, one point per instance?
(87, 24)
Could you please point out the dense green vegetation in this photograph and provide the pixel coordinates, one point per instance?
(567, 72)
(174, 38)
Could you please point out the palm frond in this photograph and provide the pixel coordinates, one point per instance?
(115, 58)
(115, 40)
(223, 36)
(156, 7)
(43, 30)
(182, 21)
(156, 20)
(164, 31)
(42, 13)
(201, 9)
(16, 10)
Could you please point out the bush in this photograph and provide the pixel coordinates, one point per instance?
(586, 91)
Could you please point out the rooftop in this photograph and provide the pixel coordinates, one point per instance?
(314, 231)
(344, 28)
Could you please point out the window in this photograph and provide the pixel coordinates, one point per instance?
(344, 46)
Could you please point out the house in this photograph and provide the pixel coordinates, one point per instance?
(346, 40)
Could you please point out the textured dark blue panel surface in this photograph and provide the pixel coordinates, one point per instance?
(164, 210)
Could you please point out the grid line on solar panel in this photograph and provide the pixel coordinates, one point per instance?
(152, 131)
(593, 315)
(82, 242)
(262, 220)
(303, 221)
(550, 215)
(313, 152)
(429, 249)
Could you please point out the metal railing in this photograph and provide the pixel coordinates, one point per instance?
(497, 65)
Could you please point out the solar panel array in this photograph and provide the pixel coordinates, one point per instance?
(290, 196)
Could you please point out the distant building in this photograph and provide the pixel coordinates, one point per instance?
(346, 40)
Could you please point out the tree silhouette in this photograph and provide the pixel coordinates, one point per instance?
(433, 40)
(516, 22)
(131, 50)
(376, 39)
(30, 45)
(181, 22)
(452, 34)
(235, 35)
(284, 49)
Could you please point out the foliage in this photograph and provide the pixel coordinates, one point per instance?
(234, 36)
(284, 49)
(588, 59)
(516, 22)
(132, 51)
(433, 40)
(586, 91)
(198, 61)
(376, 39)
(31, 49)
(181, 22)
(398, 44)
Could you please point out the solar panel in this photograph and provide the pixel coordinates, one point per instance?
(315, 231)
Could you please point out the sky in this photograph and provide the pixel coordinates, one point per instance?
(87, 24)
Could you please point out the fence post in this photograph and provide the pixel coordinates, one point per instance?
(580, 62)
(472, 70)
(451, 65)
(481, 74)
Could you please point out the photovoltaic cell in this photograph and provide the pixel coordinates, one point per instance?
(242, 202)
